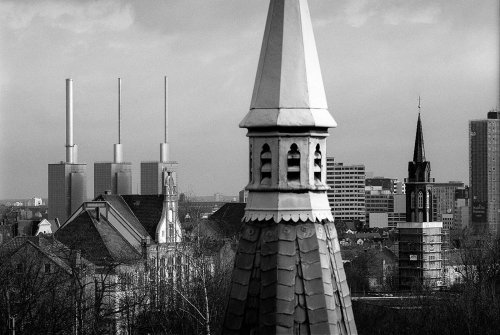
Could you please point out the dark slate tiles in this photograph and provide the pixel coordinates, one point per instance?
(289, 279)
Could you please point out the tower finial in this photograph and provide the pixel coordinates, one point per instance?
(419, 106)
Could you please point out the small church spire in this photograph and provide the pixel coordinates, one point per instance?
(419, 151)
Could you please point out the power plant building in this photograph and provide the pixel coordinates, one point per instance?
(114, 177)
(153, 176)
(67, 180)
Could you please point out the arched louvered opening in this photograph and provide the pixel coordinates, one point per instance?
(420, 200)
(318, 168)
(412, 200)
(265, 165)
(293, 166)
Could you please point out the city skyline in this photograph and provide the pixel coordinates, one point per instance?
(376, 61)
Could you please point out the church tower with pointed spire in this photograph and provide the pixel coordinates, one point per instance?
(419, 237)
(288, 275)
(419, 182)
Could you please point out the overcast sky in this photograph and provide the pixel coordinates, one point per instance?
(377, 57)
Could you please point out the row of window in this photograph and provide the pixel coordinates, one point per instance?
(293, 165)
(420, 200)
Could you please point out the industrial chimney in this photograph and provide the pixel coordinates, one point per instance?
(118, 152)
(164, 146)
(71, 148)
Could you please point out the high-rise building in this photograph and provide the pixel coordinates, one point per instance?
(347, 190)
(67, 181)
(484, 174)
(288, 275)
(444, 198)
(114, 177)
(419, 238)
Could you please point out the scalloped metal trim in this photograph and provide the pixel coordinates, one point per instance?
(295, 216)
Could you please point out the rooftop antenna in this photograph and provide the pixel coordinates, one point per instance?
(419, 104)
(164, 145)
(118, 152)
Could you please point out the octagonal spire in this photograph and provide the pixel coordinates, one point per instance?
(288, 90)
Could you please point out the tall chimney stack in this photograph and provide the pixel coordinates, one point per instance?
(70, 146)
(164, 146)
(118, 152)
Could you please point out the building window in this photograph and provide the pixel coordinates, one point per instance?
(428, 200)
(293, 168)
(420, 200)
(47, 268)
(317, 165)
(412, 200)
(19, 268)
(171, 232)
(265, 165)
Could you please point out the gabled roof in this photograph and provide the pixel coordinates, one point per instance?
(288, 90)
(120, 205)
(147, 209)
(46, 245)
(228, 218)
(98, 240)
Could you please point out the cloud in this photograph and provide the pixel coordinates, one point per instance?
(399, 15)
(358, 12)
(392, 12)
(75, 16)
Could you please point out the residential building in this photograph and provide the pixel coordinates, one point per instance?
(288, 272)
(347, 190)
(420, 260)
(35, 202)
(484, 174)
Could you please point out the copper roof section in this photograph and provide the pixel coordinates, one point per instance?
(288, 90)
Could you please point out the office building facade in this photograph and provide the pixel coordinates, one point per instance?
(484, 174)
(444, 195)
(347, 190)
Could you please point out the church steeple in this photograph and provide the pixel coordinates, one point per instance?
(419, 183)
(288, 88)
(419, 151)
(288, 273)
